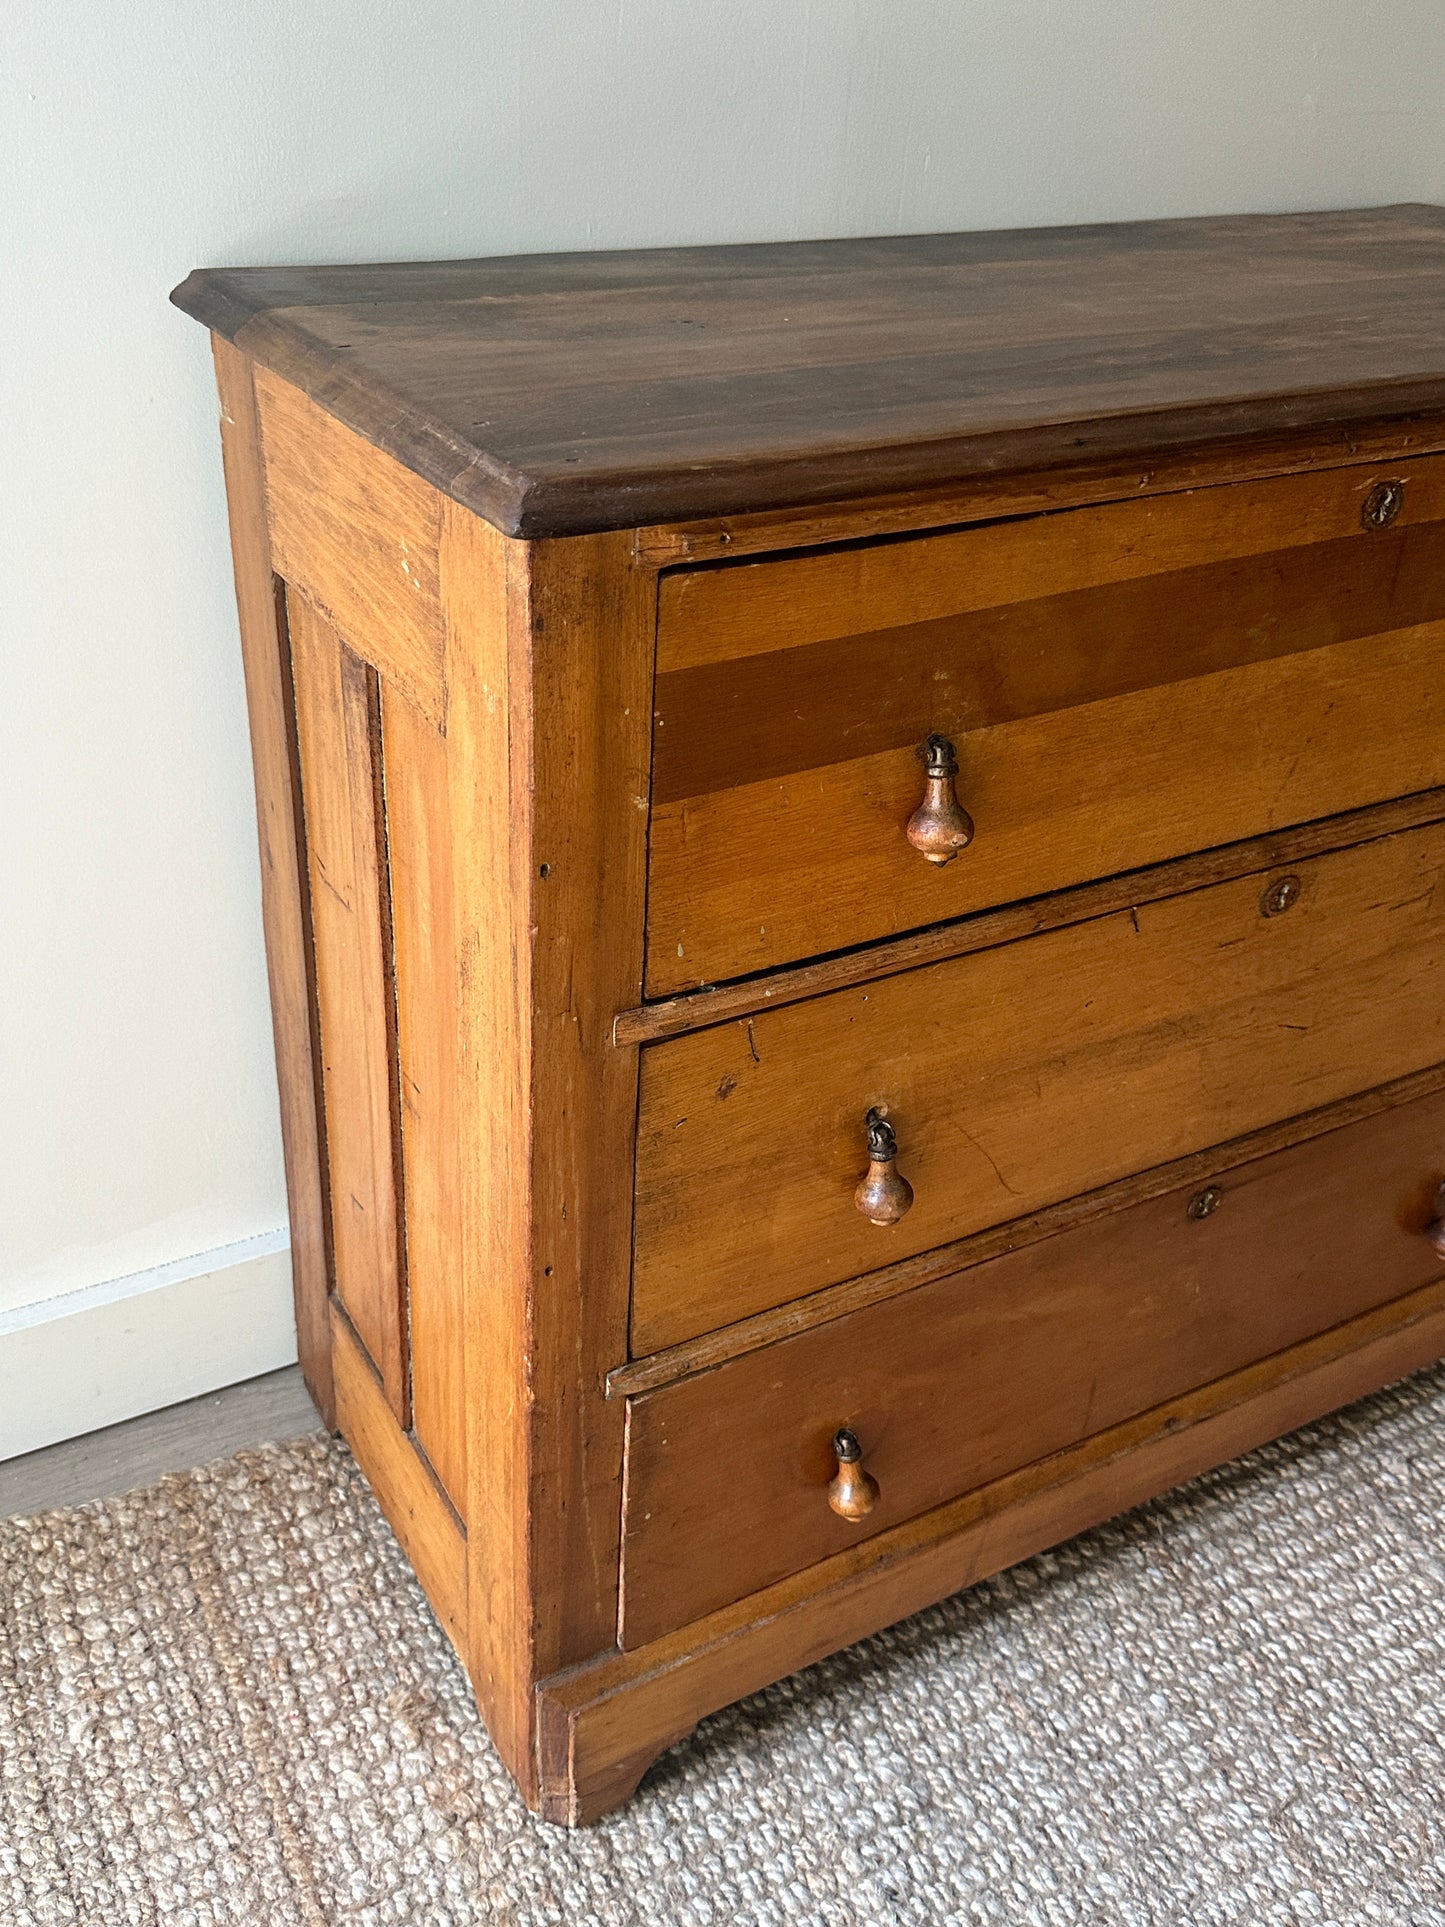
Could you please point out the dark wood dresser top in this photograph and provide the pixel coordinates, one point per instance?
(557, 394)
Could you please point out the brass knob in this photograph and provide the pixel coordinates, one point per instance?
(883, 1193)
(854, 1492)
(1435, 1230)
(939, 828)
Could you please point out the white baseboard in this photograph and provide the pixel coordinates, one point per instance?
(89, 1358)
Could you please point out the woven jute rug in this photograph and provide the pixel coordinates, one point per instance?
(224, 1700)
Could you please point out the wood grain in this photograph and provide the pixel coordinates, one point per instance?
(714, 615)
(1022, 1075)
(338, 724)
(431, 1534)
(484, 713)
(793, 697)
(588, 619)
(564, 394)
(968, 1378)
(1163, 699)
(748, 878)
(359, 534)
(600, 1725)
(724, 724)
(714, 1348)
(285, 895)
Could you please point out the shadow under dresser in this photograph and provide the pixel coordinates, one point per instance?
(853, 853)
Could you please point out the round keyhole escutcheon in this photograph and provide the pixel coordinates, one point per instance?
(1382, 504)
(1280, 896)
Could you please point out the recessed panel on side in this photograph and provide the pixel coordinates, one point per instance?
(338, 730)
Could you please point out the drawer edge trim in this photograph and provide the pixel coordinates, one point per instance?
(708, 1006)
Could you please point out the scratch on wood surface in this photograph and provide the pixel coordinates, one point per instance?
(988, 1159)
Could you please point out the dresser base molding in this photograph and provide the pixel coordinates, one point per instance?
(417, 1510)
(600, 1726)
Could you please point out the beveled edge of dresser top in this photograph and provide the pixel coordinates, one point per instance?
(623, 389)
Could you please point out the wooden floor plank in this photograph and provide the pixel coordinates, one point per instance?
(118, 1458)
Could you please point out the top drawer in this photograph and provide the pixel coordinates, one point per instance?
(1122, 684)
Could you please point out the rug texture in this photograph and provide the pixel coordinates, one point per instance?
(223, 1700)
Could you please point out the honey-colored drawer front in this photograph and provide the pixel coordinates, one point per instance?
(1020, 1076)
(1122, 685)
(964, 1380)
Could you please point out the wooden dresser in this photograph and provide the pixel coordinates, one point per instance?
(853, 840)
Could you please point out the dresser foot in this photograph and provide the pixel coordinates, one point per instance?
(584, 1775)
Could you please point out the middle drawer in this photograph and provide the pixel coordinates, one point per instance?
(1020, 1076)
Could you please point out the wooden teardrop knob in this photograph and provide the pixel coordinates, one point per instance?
(883, 1193)
(939, 828)
(854, 1492)
(1435, 1230)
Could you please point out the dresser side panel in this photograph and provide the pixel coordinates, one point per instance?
(353, 542)
(492, 1124)
(337, 709)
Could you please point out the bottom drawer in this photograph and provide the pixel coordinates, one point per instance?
(961, 1381)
